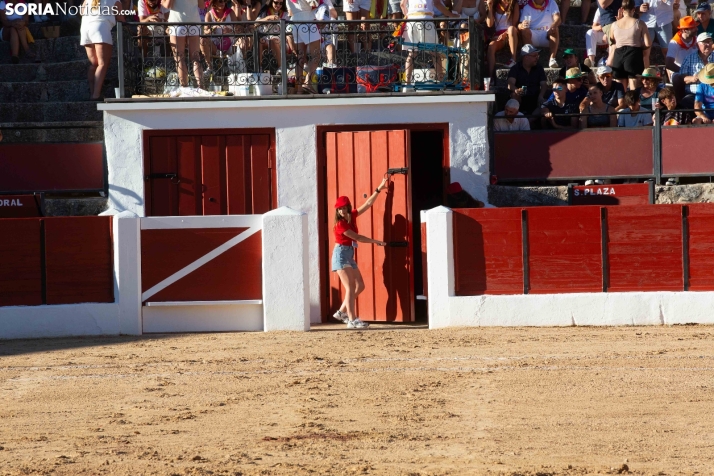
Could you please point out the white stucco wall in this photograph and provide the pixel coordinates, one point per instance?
(581, 309)
(295, 122)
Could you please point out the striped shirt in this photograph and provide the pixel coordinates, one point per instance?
(691, 66)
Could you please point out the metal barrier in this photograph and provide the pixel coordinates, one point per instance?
(650, 152)
(261, 57)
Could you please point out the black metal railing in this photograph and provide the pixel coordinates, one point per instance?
(262, 58)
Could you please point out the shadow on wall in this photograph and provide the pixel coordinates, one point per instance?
(469, 247)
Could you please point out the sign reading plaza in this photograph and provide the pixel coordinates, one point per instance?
(61, 8)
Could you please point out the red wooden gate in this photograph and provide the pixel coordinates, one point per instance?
(191, 173)
(356, 163)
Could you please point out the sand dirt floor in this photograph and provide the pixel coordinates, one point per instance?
(393, 400)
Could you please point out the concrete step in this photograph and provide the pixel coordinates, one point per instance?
(55, 91)
(49, 72)
(502, 76)
(69, 26)
(503, 56)
(53, 50)
(49, 112)
(70, 131)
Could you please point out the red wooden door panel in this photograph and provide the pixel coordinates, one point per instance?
(488, 251)
(260, 183)
(78, 260)
(20, 263)
(356, 163)
(214, 176)
(701, 246)
(240, 201)
(189, 178)
(645, 248)
(565, 250)
(161, 193)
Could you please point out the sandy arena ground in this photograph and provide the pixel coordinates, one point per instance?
(389, 401)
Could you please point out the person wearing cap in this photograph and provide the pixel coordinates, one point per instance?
(510, 119)
(658, 15)
(704, 15)
(594, 37)
(704, 98)
(571, 61)
(527, 82)
(576, 92)
(343, 261)
(557, 105)
(539, 26)
(686, 81)
(682, 45)
(630, 39)
(651, 86)
(613, 92)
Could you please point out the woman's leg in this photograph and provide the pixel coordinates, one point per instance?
(93, 64)
(353, 27)
(194, 51)
(10, 34)
(494, 47)
(178, 44)
(584, 11)
(22, 36)
(513, 42)
(313, 58)
(347, 278)
(301, 59)
(104, 57)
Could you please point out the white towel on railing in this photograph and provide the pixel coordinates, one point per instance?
(185, 92)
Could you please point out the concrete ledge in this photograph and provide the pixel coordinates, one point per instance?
(219, 318)
(31, 322)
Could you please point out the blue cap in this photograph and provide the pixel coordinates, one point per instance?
(703, 7)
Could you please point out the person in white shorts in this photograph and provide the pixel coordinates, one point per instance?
(96, 37)
(307, 41)
(594, 37)
(356, 10)
(394, 9)
(539, 26)
(185, 11)
(328, 39)
(422, 31)
(475, 9)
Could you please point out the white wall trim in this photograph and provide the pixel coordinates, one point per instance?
(227, 221)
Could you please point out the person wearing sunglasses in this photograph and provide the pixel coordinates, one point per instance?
(613, 92)
(557, 105)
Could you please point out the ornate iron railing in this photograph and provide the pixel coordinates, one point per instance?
(264, 57)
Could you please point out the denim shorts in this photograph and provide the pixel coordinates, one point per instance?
(343, 256)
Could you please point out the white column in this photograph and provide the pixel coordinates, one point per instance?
(127, 273)
(286, 291)
(440, 265)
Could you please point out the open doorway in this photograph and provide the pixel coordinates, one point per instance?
(351, 160)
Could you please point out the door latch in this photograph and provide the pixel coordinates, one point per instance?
(398, 244)
(402, 170)
(174, 177)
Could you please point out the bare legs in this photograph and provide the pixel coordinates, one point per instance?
(510, 37)
(99, 55)
(307, 54)
(178, 44)
(353, 283)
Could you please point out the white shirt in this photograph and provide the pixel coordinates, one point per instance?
(419, 8)
(540, 19)
(144, 10)
(660, 13)
(678, 53)
(504, 125)
(12, 17)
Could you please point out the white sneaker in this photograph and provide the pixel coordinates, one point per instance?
(357, 324)
(589, 182)
(672, 181)
(510, 64)
(341, 316)
(552, 63)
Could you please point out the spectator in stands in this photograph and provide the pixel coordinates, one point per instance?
(328, 40)
(613, 92)
(593, 104)
(630, 116)
(682, 45)
(183, 12)
(594, 37)
(704, 15)
(151, 11)
(571, 61)
(307, 41)
(501, 17)
(527, 81)
(686, 81)
(630, 39)
(650, 88)
(13, 29)
(704, 99)
(672, 115)
(218, 13)
(658, 16)
(584, 11)
(475, 9)
(96, 37)
(273, 11)
(246, 10)
(394, 9)
(539, 26)
(609, 12)
(510, 119)
(556, 105)
(422, 32)
(576, 91)
(360, 9)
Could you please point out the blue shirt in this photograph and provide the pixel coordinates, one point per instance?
(574, 98)
(705, 95)
(692, 65)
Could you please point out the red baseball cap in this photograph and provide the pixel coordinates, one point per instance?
(453, 188)
(342, 202)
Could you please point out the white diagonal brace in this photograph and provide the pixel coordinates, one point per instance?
(199, 262)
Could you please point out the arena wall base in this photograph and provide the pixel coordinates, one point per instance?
(87, 319)
(577, 309)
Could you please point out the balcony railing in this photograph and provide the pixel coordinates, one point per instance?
(262, 58)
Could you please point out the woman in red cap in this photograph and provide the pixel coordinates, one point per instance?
(343, 261)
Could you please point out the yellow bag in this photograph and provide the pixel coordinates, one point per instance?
(30, 38)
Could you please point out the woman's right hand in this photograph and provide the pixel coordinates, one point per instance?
(381, 243)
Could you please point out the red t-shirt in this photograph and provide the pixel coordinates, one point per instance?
(342, 226)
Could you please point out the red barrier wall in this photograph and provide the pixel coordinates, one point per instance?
(565, 252)
(77, 256)
(51, 167)
(685, 151)
(701, 246)
(488, 255)
(563, 155)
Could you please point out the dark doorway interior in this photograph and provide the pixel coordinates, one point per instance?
(428, 176)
